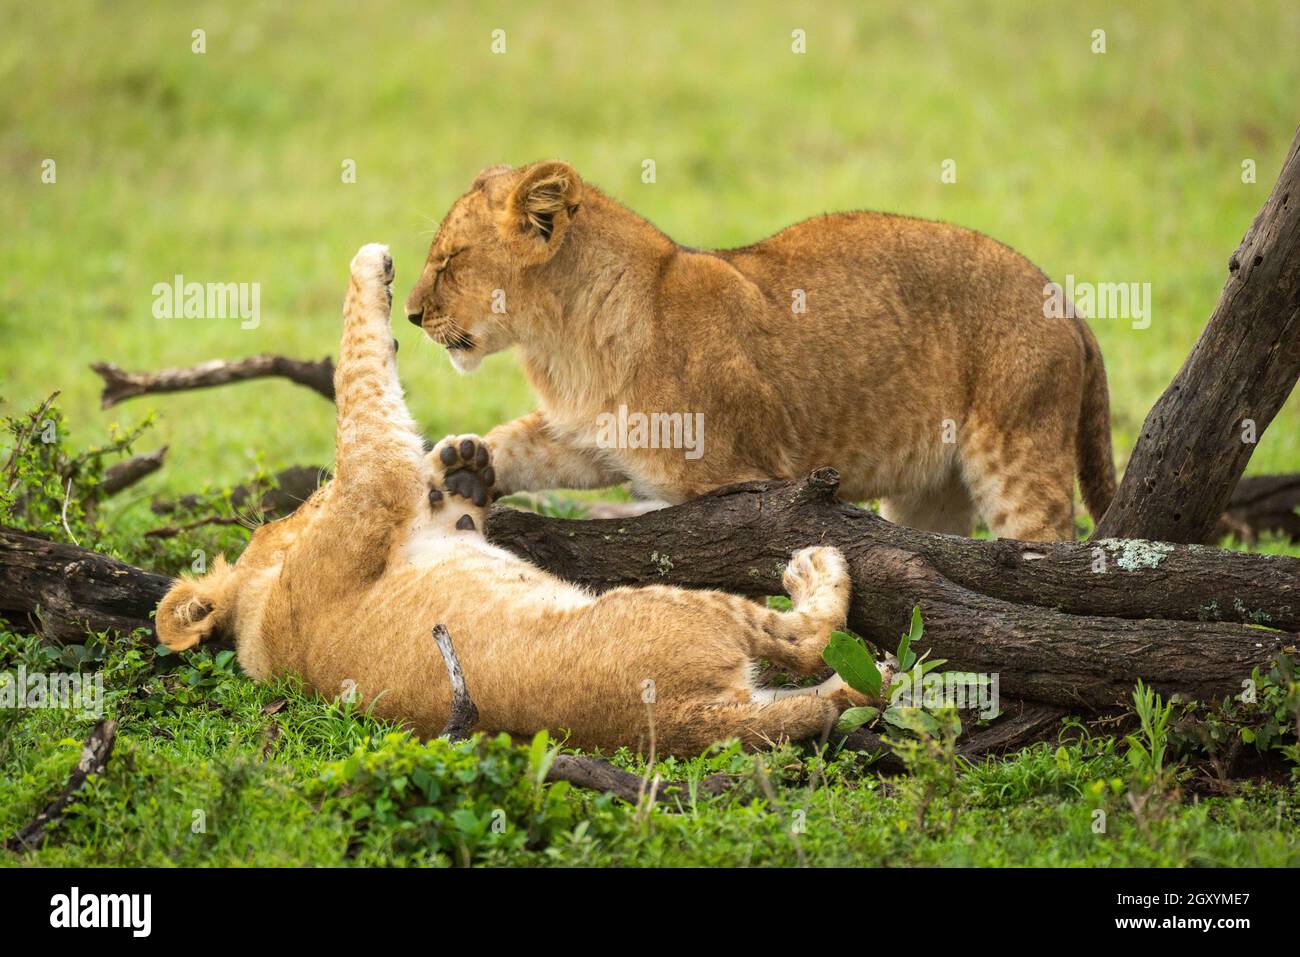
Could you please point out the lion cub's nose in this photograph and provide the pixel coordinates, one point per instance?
(416, 318)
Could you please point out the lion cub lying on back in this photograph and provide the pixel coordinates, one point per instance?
(348, 588)
(913, 356)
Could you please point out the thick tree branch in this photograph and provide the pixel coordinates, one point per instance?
(1197, 439)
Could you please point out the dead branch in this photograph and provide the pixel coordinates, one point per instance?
(464, 715)
(120, 385)
(94, 758)
(1068, 624)
(1260, 505)
(125, 474)
(171, 531)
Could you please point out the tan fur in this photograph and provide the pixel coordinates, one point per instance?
(908, 323)
(344, 593)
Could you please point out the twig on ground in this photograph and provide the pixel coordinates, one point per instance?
(94, 758)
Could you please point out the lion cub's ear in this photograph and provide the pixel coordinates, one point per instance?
(193, 610)
(538, 211)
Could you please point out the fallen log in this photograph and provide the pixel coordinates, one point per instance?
(738, 538)
(1068, 624)
(63, 590)
(120, 385)
(1260, 505)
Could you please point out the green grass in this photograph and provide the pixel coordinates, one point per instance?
(212, 769)
(226, 166)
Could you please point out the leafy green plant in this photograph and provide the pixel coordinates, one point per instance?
(854, 662)
(929, 754)
(413, 799)
(46, 488)
(1147, 748)
(1265, 716)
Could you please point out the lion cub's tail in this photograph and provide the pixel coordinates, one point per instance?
(1096, 461)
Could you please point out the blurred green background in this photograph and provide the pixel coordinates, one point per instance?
(226, 166)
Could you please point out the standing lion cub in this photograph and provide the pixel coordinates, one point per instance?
(344, 594)
(913, 356)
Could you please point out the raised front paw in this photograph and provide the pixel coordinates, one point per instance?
(372, 272)
(462, 467)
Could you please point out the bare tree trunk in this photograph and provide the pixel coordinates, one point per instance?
(1197, 439)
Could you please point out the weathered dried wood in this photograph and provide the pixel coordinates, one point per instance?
(1070, 624)
(65, 590)
(125, 474)
(1199, 436)
(94, 758)
(597, 775)
(293, 486)
(1023, 724)
(464, 714)
(120, 385)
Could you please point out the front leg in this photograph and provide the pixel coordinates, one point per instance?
(379, 465)
(528, 457)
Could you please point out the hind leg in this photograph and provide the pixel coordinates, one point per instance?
(461, 484)
(817, 580)
(1026, 492)
(946, 508)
